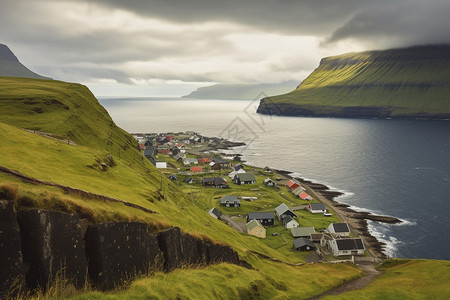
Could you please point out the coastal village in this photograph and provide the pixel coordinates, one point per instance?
(268, 204)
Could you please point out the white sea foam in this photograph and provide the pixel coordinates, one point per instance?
(381, 233)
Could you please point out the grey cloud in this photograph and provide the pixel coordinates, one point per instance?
(401, 23)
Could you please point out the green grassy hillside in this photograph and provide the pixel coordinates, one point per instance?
(412, 82)
(67, 110)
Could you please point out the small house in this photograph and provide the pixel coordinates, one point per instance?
(254, 227)
(230, 201)
(233, 173)
(161, 165)
(303, 244)
(316, 208)
(196, 169)
(215, 213)
(215, 167)
(341, 247)
(339, 229)
(289, 222)
(238, 167)
(173, 177)
(283, 210)
(244, 178)
(297, 191)
(189, 161)
(217, 182)
(205, 160)
(298, 232)
(315, 237)
(265, 218)
(293, 184)
(223, 163)
(188, 180)
(179, 156)
(269, 182)
(304, 196)
(267, 169)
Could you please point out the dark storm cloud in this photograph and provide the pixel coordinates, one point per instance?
(295, 17)
(399, 23)
(200, 40)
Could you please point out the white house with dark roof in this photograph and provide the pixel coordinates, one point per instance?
(341, 247)
(317, 208)
(289, 222)
(215, 213)
(340, 229)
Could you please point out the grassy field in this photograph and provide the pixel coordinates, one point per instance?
(132, 178)
(407, 279)
(401, 82)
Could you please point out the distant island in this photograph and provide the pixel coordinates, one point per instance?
(398, 83)
(242, 91)
(11, 66)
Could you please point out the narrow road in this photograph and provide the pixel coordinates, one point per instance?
(236, 225)
(364, 263)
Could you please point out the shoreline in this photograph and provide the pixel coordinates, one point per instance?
(355, 219)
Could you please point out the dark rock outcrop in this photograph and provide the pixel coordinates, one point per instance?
(170, 243)
(52, 246)
(11, 261)
(118, 251)
(189, 249)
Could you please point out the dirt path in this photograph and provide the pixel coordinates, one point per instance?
(236, 225)
(368, 266)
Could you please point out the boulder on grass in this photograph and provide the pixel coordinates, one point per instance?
(52, 248)
(11, 261)
(118, 252)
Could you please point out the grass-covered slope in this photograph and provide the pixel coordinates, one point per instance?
(11, 66)
(133, 179)
(403, 83)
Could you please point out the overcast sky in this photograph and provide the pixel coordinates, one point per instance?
(171, 47)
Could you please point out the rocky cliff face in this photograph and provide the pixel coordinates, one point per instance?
(399, 83)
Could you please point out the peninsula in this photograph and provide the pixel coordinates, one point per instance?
(398, 83)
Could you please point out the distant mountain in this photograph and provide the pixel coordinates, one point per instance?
(10, 66)
(398, 83)
(242, 91)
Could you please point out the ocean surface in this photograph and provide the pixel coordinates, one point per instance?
(399, 168)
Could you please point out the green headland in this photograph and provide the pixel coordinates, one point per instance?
(398, 83)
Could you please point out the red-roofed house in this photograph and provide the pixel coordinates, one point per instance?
(293, 184)
(305, 196)
(196, 169)
(141, 146)
(205, 160)
(165, 151)
(169, 137)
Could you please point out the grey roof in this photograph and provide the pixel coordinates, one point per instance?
(216, 212)
(246, 176)
(317, 206)
(230, 199)
(220, 161)
(149, 150)
(302, 231)
(340, 227)
(350, 244)
(287, 219)
(260, 215)
(281, 209)
(300, 242)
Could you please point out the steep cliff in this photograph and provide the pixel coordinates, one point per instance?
(398, 83)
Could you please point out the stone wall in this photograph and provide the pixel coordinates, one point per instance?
(38, 246)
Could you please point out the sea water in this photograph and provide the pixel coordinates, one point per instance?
(399, 168)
